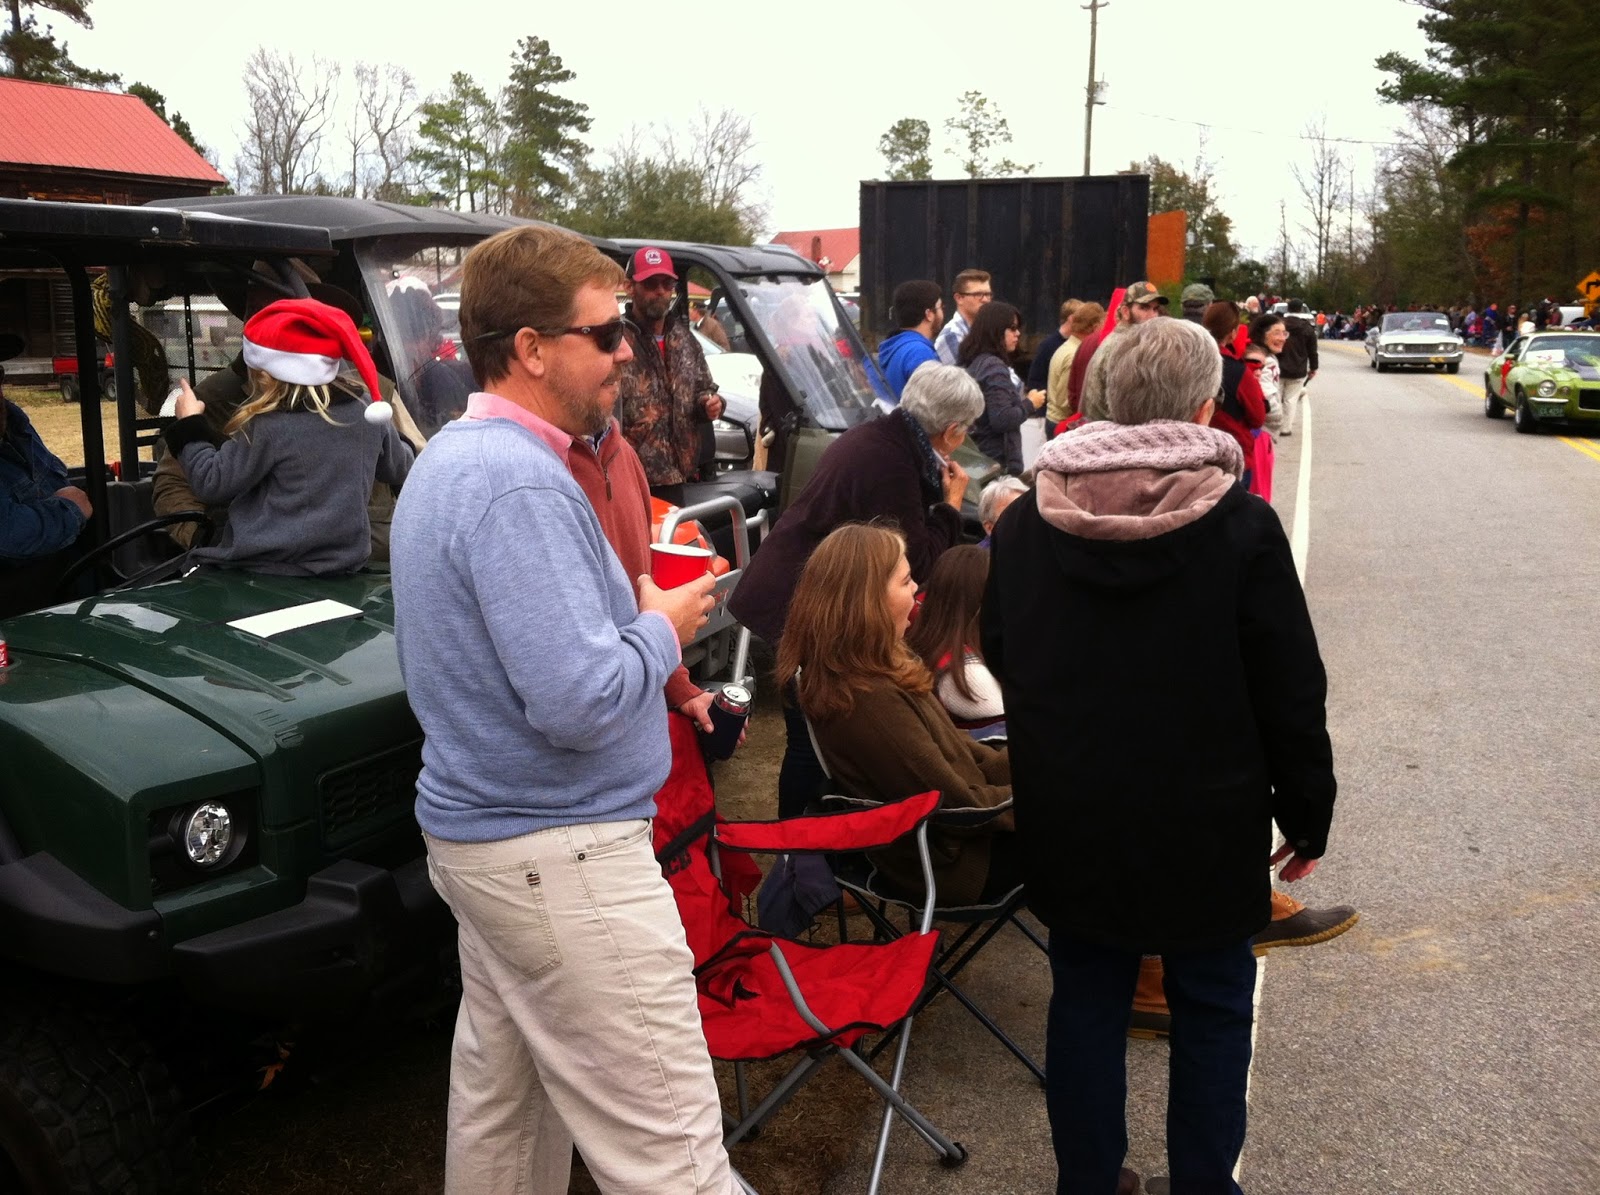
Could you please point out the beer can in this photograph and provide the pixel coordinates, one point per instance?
(730, 709)
(734, 699)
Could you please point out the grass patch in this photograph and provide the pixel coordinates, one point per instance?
(60, 424)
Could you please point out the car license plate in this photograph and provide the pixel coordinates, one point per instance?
(1437, 360)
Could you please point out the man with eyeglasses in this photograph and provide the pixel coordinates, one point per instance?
(667, 399)
(536, 674)
(972, 290)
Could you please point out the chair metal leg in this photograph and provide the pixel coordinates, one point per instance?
(779, 1095)
(898, 1103)
(742, 1089)
(742, 1183)
(1027, 931)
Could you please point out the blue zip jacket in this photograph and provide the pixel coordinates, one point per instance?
(900, 355)
(33, 522)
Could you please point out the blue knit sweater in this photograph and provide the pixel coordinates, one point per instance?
(536, 680)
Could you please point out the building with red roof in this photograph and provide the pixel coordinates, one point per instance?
(836, 250)
(92, 147)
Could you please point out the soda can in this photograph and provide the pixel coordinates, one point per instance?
(5, 653)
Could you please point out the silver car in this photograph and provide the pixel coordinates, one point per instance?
(1420, 338)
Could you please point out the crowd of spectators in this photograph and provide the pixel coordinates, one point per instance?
(1125, 664)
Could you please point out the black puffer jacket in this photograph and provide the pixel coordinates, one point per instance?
(1299, 355)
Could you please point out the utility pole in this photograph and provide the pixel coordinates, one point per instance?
(1093, 8)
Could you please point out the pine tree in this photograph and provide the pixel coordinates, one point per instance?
(31, 52)
(542, 149)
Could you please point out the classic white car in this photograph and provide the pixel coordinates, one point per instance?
(1421, 338)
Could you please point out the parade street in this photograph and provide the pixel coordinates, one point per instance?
(1450, 1042)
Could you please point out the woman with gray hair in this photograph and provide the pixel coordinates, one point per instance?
(1151, 756)
(897, 470)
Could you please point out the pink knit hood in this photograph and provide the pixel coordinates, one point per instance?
(1113, 481)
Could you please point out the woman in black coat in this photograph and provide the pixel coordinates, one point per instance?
(986, 355)
(1165, 706)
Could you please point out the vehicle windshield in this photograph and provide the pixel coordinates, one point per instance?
(414, 285)
(1415, 321)
(831, 376)
(1578, 350)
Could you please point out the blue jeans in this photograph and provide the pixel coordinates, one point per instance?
(1210, 994)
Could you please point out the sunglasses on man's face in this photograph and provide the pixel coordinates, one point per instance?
(606, 336)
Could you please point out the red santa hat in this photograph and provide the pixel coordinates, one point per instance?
(303, 342)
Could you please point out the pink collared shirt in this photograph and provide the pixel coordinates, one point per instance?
(483, 405)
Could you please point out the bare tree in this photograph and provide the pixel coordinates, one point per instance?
(290, 106)
(377, 135)
(721, 151)
(1321, 182)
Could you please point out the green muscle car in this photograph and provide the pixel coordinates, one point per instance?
(1546, 378)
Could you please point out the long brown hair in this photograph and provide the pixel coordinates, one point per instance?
(838, 635)
(947, 624)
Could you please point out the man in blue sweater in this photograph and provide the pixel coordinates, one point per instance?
(537, 678)
(918, 309)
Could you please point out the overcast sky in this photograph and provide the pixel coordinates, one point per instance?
(821, 83)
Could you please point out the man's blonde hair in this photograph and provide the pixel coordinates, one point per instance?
(524, 277)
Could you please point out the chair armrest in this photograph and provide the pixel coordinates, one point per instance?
(969, 817)
(859, 829)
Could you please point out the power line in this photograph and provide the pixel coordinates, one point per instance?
(1206, 124)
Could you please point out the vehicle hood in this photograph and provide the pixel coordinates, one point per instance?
(92, 681)
(1560, 366)
(1438, 336)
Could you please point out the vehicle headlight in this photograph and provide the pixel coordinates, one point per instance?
(1547, 388)
(206, 834)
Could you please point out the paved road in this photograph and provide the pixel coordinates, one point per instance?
(1451, 1042)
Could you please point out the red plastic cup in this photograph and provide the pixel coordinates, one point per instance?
(672, 565)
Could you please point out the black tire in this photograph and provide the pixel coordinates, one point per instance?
(86, 1106)
(1453, 367)
(69, 387)
(1379, 366)
(1491, 404)
(1372, 362)
(1523, 418)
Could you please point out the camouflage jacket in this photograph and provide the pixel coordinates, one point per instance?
(660, 402)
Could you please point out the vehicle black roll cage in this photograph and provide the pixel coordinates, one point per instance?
(163, 244)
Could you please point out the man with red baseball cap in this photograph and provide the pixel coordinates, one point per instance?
(666, 400)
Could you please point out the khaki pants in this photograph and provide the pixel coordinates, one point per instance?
(578, 1020)
(1292, 388)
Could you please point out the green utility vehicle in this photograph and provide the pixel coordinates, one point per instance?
(206, 827)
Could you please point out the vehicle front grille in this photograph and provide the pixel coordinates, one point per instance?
(1589, 400)
(364, 795)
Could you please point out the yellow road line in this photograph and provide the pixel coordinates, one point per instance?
(1586, 449)
(1475, 388)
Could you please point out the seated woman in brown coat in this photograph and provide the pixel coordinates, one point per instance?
(882, 731)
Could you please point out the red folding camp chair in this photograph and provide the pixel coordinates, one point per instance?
(763, 996)
(981, 921)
